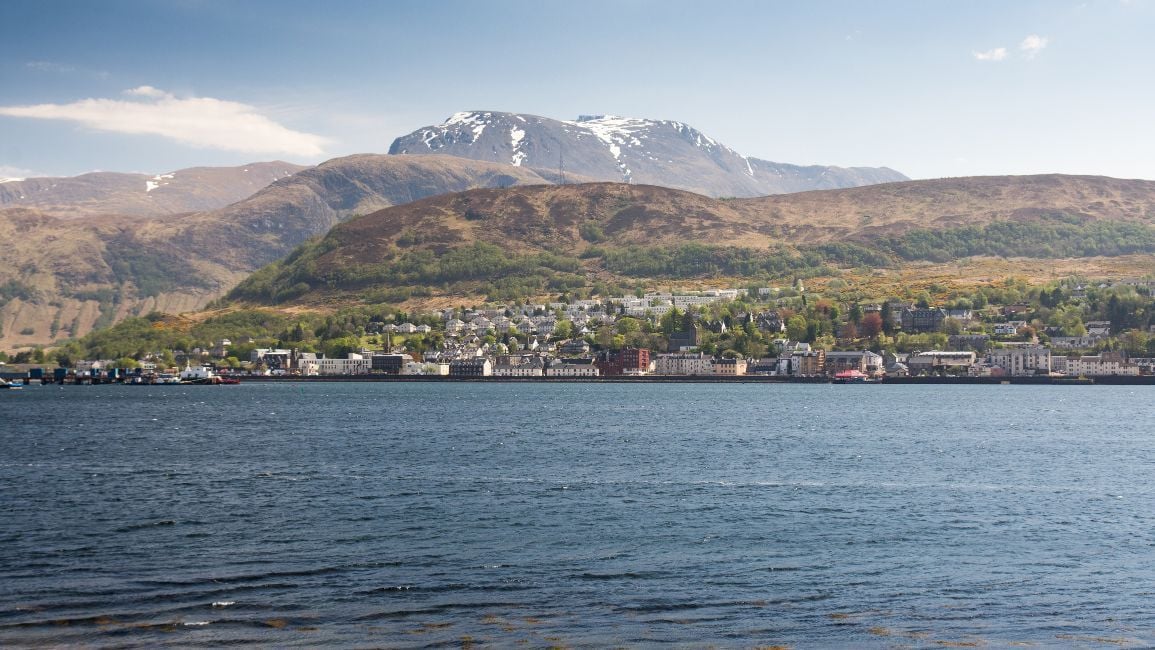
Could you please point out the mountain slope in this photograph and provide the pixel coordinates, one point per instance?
(608, 148)
(186, 190)
(63, 277)
(527, 241)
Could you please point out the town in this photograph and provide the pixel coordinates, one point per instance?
(754, 332)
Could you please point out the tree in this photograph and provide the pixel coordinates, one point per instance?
(627, 325)
(1134, 342)
(849, 330)
(796, 328)
(871, 325)
(855, 315)
(563, 330)
(670, 321)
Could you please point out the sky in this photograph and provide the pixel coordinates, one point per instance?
(929, 88)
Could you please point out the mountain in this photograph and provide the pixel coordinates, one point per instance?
(63, 277)
(608, 148)
(525, 242)
(185, 190)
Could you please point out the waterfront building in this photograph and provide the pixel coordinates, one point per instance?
(807, 363)
(471, 367)
(628, 361)
(572, 368)
(353, 364)
(390, 364)
(517, 366)
(863, 361)
(1107, 363)
(941, 361)
(728, 367)
(1018, 361)
(683, 363)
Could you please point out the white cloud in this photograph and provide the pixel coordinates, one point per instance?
(997, 54)
(10, 173)
(146, 91)
(1032, 45)
(196, 121)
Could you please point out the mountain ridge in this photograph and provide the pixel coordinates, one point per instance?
(610, 148)
(143, 195)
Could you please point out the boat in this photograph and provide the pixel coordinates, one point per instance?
(13, 385)
(853, 377)
(204, 375)
(197, 375)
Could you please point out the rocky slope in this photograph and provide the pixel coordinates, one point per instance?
(608, 148)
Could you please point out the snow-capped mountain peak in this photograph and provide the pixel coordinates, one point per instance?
(624, 149)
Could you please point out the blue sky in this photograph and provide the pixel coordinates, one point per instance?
(929, 88)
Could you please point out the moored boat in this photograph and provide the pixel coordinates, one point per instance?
(852, 377)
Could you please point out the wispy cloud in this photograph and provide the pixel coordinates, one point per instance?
(1032, 45)
(49, 66)
(997, 54)
(1030, 48)
(8, 172)
(196, 121)
(53, 67)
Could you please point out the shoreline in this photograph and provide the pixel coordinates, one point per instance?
(1107, 380)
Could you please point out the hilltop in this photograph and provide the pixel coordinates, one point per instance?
(524, 241)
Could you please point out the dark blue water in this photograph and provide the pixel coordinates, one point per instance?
(415, 515)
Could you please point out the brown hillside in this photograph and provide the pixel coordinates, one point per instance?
(549, 217)
(894, 208)
(82, 273)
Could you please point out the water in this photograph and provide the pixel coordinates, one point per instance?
(417, 515)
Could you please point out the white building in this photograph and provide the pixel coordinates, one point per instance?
(1100, 364)
(518, 367)
(1030, 360)
(576, 368)
(354, 364)
(1010, 328)
(684, 363)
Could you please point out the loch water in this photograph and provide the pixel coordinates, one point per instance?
(578, 514)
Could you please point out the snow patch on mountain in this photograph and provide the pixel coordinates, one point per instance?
(516, 135)
(616, 132)
(159, 180)
(475, 122)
